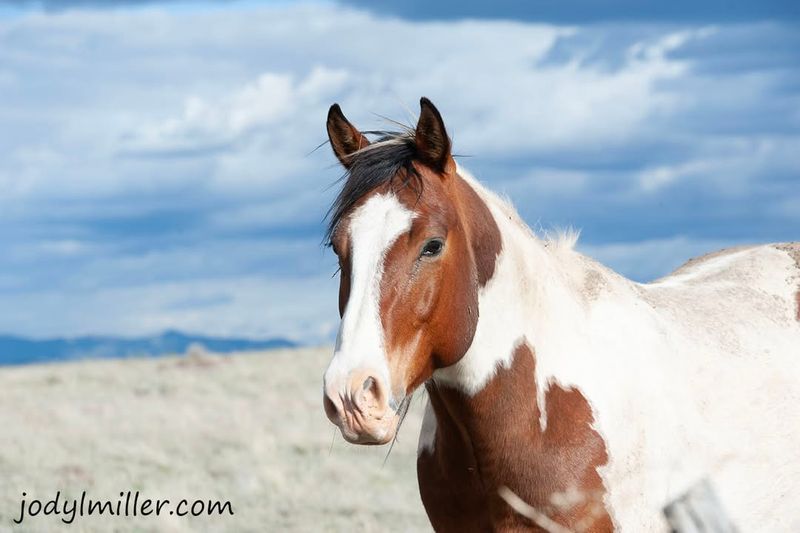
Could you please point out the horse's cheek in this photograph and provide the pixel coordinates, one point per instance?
(425, 300)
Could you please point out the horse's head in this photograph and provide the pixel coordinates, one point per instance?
(415, 243)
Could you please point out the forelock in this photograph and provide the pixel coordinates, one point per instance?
(389, 160)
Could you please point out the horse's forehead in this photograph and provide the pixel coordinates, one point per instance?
(376, 223)
(426, 201)
(383, 205)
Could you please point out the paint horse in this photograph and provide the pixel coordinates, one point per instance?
(553, 382)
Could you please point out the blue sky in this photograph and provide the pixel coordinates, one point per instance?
(157, 167)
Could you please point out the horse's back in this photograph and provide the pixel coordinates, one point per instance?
(733, 319)
(733, 291)
(739, 264)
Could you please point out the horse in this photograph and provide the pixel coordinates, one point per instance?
(551, 379)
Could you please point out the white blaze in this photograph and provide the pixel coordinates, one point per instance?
(373, 229)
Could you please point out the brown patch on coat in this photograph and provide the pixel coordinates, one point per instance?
(429, 307)
(481, 229)
(494, 439)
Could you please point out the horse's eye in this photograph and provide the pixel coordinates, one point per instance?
(432, 248)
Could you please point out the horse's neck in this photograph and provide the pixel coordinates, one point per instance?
(528, 299)
(495, 412)
(484, 424)
(495, 437)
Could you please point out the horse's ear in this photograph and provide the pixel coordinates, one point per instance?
(345, 138)
(433, 145)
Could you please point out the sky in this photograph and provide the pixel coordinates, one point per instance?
(158, 166)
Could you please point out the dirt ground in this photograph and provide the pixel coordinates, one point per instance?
(246, 428)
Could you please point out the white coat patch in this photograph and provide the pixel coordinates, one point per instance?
(360, 343)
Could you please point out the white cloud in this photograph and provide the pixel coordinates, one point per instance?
(268, 101)
(136, 141)
(498, 99)
(732, 165)
(248, 89)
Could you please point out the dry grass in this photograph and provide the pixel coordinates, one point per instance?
(248, 428)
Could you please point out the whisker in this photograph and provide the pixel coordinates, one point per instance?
(333, 439)
(410, 115)
(320, 145)
(402, 411)
(403, 127)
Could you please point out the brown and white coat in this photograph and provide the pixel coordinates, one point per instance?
(594, 399)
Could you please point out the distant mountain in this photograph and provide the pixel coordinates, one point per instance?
(19, 350)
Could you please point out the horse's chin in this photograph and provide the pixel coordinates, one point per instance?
(367, 440)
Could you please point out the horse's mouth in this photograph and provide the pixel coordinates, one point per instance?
(363, 407)
(364, 428)
(370, 422)
(375, 438)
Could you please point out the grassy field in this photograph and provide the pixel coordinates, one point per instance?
(247, 428)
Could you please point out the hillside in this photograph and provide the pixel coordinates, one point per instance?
(20, 350)
(248, 428)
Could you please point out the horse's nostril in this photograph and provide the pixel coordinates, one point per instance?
(368, 383)
(371, 393)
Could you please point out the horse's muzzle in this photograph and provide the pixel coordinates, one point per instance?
(360, 407)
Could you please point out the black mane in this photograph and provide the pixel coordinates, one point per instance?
(390, 156)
